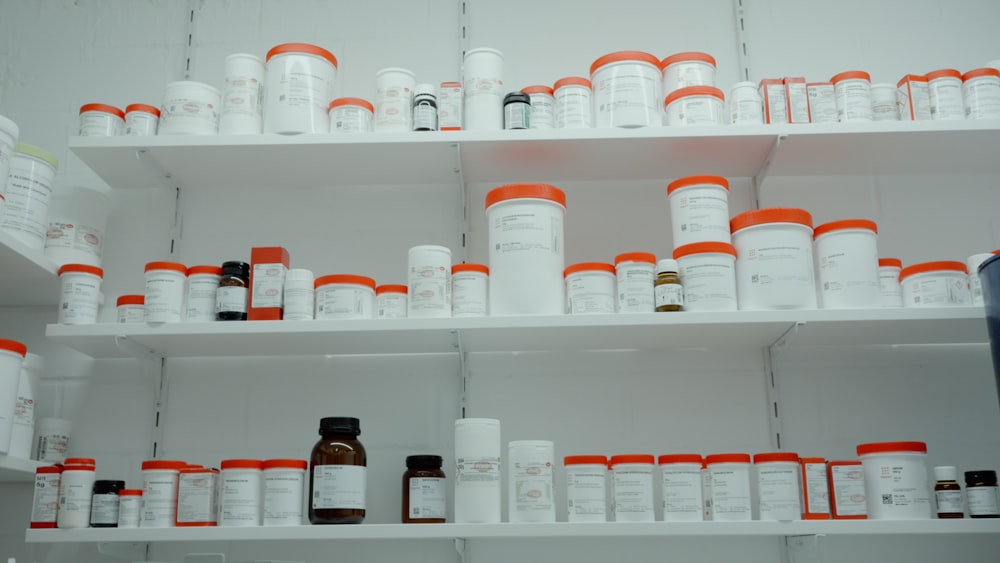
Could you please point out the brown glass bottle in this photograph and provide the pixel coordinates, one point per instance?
(667, 289)
(337, 475)
(423, 490)
(948, 493)
(231, 299)
(981, 489)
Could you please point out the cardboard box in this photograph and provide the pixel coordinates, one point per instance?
(815, 489)
(450, 106)
(268, 265)
(796, 100)
(913, 97)
(847, 490)
(822, 102)
(772, 91)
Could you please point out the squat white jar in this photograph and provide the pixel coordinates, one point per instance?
(935, 284)
(477, 471)
(202, 287)
(80, 293)
(159, 493)
(164, 295)
(699, 209)
(394, 99)
(586, 488)
(344, 296)
(300, 83)
(774, 259)
(429, 281)
(482, 90)
(888, 282)
(687, 69)
(981, 93)
(25, 213)
(590, 288)
(240, 502)
(945, 89)
(884, 107)
(299, 295)
(896, 486)
(695, 105)
(470, 287)
(141, 120)
(390, 301)
(531, 497)
(526, 249)
(853, 90)
(190, 108)
(8, 140)
(632, 488)
(681, 480)
(574, 107)
(76, 490)
(847, 264)
(627, 86)
(351, 115)
(730, 485)
(778, 487)
(746, 107)
(284, 487)
(542, 106)
(708, 275)
(635, 273)
(101, 120)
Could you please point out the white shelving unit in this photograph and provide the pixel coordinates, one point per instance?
(27, 276)
(18, 469)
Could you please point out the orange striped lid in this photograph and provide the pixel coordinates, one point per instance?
(103, 107)
(572, 81)
(687, 56)
(538, 89)
(944, 73)
(635, 257)
(619, 56)
(81, 268)
(696, 181)
(770, 215)
(851, 75)
(344, 278)
(845, 224)
(588, 267)
(704, 248)
(527, 191)
(693, 91)
(306, 48)
(890, 262)
(132, 299)
(979, 72)
(339, 102)
(391, 288)
(459, 268)
(143, 108)
(937, 266)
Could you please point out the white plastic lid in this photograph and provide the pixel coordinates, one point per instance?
(8, 125)
(394, 69)
(946, 473)
(299, 274)
(666, 265)
(424, 89)
(741, 85)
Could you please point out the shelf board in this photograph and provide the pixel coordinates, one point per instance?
(520, 531)
(18, 469)
(739, 329)
(27, 276)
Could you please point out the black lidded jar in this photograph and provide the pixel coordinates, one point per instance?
(337, 473)
(104, 504)
(234, 288)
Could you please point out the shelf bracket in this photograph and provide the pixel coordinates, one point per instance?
(804, 549)
(761, 176)
(463, 371)
(771, 382)
(785, 340)
(152, 363)
(460, 548)
(127, 551)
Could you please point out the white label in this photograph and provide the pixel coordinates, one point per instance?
(78, 301)
(774, 103)
(469, 294)
(532, 482)
(393, 107)
(427, 498)
(590, 292)
(709, 283)
(140, 124)
(159, 494)
(350, 119)
(425, 117)
(778, 490)
(450, 107)
(900, 488)
(949, 502)
(339, 486)
(181, 105)
(822, 103)
(201, 295)
(669, 294)
(341, 301)
(976, 289)
(635, 288)
(573, 107)
(854, 100)
(392, 306)
(51, 447)
(682, 495)
(104, 509)
(798, 102)
(848, 490)
(946, 98)
(242, 96)
(75, 493)
(585, 495)
(628, 95)
(27, 203)
(695, 110)
(700, 214)
(128, 314)
(706, 492)
(268, 285)
(730, 494)
(633, 494)
(983, 501)
(283, 497)
(46, 500)
(129, 510)
(24, 407)
(74, 236)
(516, 115)
(541, 111)
(891, 290)
(164, 294)
(196, 497)
(100, 124)
(982, 98)
(240, 498)
(477, 471)
(817, 489)
(299, 301)
(231, 299)
(936, 291)
(430, 288)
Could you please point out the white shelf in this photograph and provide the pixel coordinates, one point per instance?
(27, 276)
(519, 531)
(740, 329)
(18, 469)
(310, 161)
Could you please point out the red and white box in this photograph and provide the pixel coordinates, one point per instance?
(772, 91)
(913, 98)
(815, 489)
(796, 100)
(268, 265)
(449, 103)
(847, 490)
(822, 102)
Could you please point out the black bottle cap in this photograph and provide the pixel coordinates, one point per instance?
(423, 461)
(516, 97)
(339, 425)
(235, 268)
(985, 476)
(103, 487)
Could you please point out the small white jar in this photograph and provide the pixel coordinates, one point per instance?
(573, 103)
(695, 105)
(189, 108)
(884, 107)
(101, 120)
(853, 90)
(130, 309)
(129, 508)
(390, 301)
(164, 295)
(351, 115)
(896, 486)
(708, 275)
(778, 486)
(202, 288)
(888, 282)
(586, 488)
(691, 68)
(730, 478)
(159, 493)
(632, 488)
(746, 107)
(76, 489)
(682, 487)
(344, 296)
(80, 293)
(531, 495)
(240, 502)
(299, 295)
(635, 273)
(699, 209)
(542, 106)
(284, 488)
(141, 120)
(470, 286)
(935, 284)
(945, 89)
(590, 288)
(981, 93)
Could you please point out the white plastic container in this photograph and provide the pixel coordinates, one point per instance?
(687, 69)
(78, 219)
(141, 120)
(542, 106)
(159, 493)
(12, 355)
(23, 429)
(695, 105)
(79, 294)
(681, 481)
(164, 295)
(101, 120)
(482, 90)
(590, 288)
(477, 471)
(390, 301)
(299, 86)
(586, 488)
(284, 489)
(202, 289)
(632, 488)
(52, 437)
(526, 249)
(888, 282)
(240, 502)
(129, 508)
(470, 290)
(345, 296)
(189, 108)
(746, 107)
(913, 98)
(242, 100)
(574, 107)
(822, 102)
(393, 99)
(130, 309)
(884, 107)
(730, 478)
(299, 295)
(945, 89)
(699, 209)
(847, 264)
(25, 214)
(76, 490)
(935, 284)
(429, 280)
(197, 497)
(531, 497)
(8, 140)
(45, 501)
(634, 276)
(774, 259)
(708, 274)
(853, 90)
(627, 90)
(778, 486)
(896, 485)
(981, 93)
(351, 115)
(975, 284)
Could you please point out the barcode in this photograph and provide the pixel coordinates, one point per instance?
(886, 499)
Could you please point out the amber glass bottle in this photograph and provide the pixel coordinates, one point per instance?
(948, 493)
(423, 490)
(231, 299)
(337, 475)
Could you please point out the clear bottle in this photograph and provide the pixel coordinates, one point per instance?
(425, 112)
(424, 490)
(231, 299)
(667, 289)
(948, 493)
(981, 489)
(337, 473)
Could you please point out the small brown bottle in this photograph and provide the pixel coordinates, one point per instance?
(981, 487)
(231, 299)
(948, 493)
(424, 490)
(667, 289)
(337, 473)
